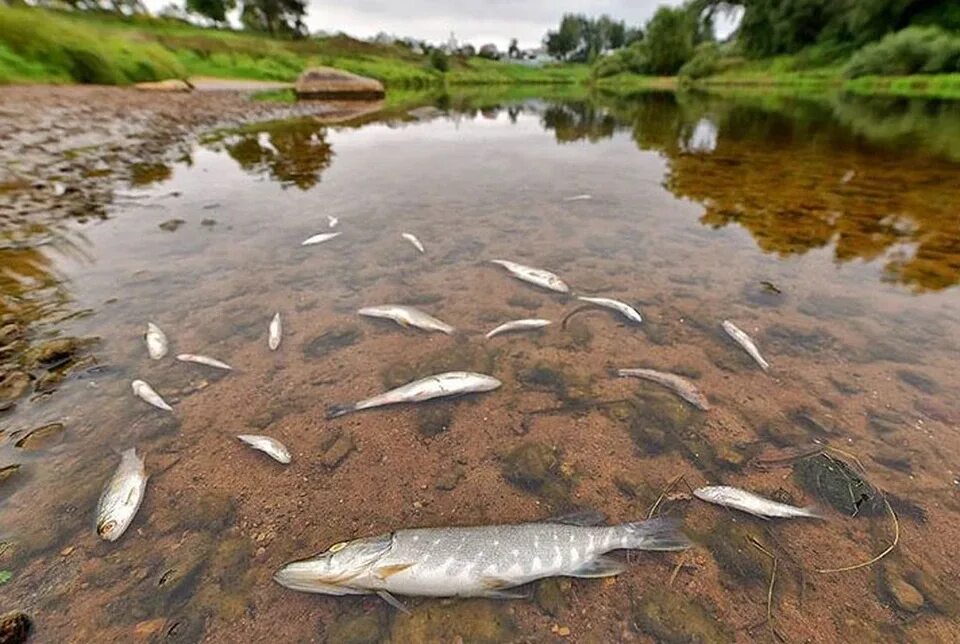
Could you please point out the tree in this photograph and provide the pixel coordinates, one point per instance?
(276, 17)
(513, 51)
(489, 51)
(566, 40)
(669, 40)
(215, 10)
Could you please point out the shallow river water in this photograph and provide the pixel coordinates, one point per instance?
(828, 230)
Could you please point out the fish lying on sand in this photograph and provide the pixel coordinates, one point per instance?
(681, 386)
(146, 393)
(210, 362)
(332, 221)
(413, 240)
(275, 333)
(121, 497)
(754, 504)
(271, 446)
(452, 383)
(407, 316)
(484, 561)
(156, 341)
(626, 310)
(319, 239)
(579, 198)
(535, 276)
(518, 325)
(745, 341)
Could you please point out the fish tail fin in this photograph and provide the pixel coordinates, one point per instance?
(814, 512)
(335, 411)
(661, 533)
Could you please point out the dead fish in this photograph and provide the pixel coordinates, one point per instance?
(746, 342)
(518, 325)
(579, 198)
(681, 386)
(271, 446)
(319, 239)
(754, 504)
(483, 561)
(121, 497)
(156, 341)
(146, 393)
(413, 240)
(626, 310)
(848, 176)
(407, 316)
(332, 221)
(535, 276)
(452, 383)
(276, 333)
(210, 362)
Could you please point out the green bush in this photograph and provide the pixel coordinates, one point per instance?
(632, 59)
(438, 60)
(914, 50)
(709, 59)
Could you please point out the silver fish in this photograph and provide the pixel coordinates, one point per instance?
(452, 383)
(413, 240)
(518, 325)
(319, 239)
(754, 504)
(121, 497)
(407, 316)
(210, 362)
(146, 393)
(156, 341)
(332, 221)
(579, 198)
(681, 386)
(746, 342)
(484, 561)
(276, 333)
(267, 445)
(535, 276)
(626, 310)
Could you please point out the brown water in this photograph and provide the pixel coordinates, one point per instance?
(828, 230)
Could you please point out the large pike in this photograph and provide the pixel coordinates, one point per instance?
(407, 316)
(483, 561)
(452, 383)
(535, 276)
(745, 341)
(680, 386)
(122, 496)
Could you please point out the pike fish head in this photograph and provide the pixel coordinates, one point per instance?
(330, 572)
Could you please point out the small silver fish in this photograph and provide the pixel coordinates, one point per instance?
(146, 393)
(746, 342)
(121, 497)
(483, 561)
(452, 383)
(407, 316)
(210, 362)
(518, 325)
(319, 239)
(275, 333)
(156, 341)
(332, 221)
(267, 445)
(579, 198)
(626, 310)
(681, 386)
(535, 276)
(754, 504)
(413, 240)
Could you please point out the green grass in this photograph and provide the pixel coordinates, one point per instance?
(939, 86)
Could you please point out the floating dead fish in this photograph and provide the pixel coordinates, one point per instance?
(319, 239)
(754, 504)
(442, 385)
(332, 221)
(210, 362)
(484, 561)
(579, 198)
(156, 341)
(276, 333)
(745, 341)
(146, 393)
(407, 316)
(518, 325)
(413, 240)
(681, 386)
(271, 446)
(626, 310)
(121, 497)
(535, 276)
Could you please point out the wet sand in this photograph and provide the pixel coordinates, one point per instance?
(858, 363)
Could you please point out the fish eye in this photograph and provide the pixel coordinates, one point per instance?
(337, 547)
(106, 527)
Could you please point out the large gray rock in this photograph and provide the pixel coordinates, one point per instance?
(327, 82)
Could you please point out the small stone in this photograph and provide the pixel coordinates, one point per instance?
(450, 478)
(171, 225)
(13, 385)
(338, 450)
(208, 222)
(42, 437)
(66, 551)
(562, 631)
(143, 630)
(15, 627)
(904, 595)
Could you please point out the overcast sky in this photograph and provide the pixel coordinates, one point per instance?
(473, 21)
